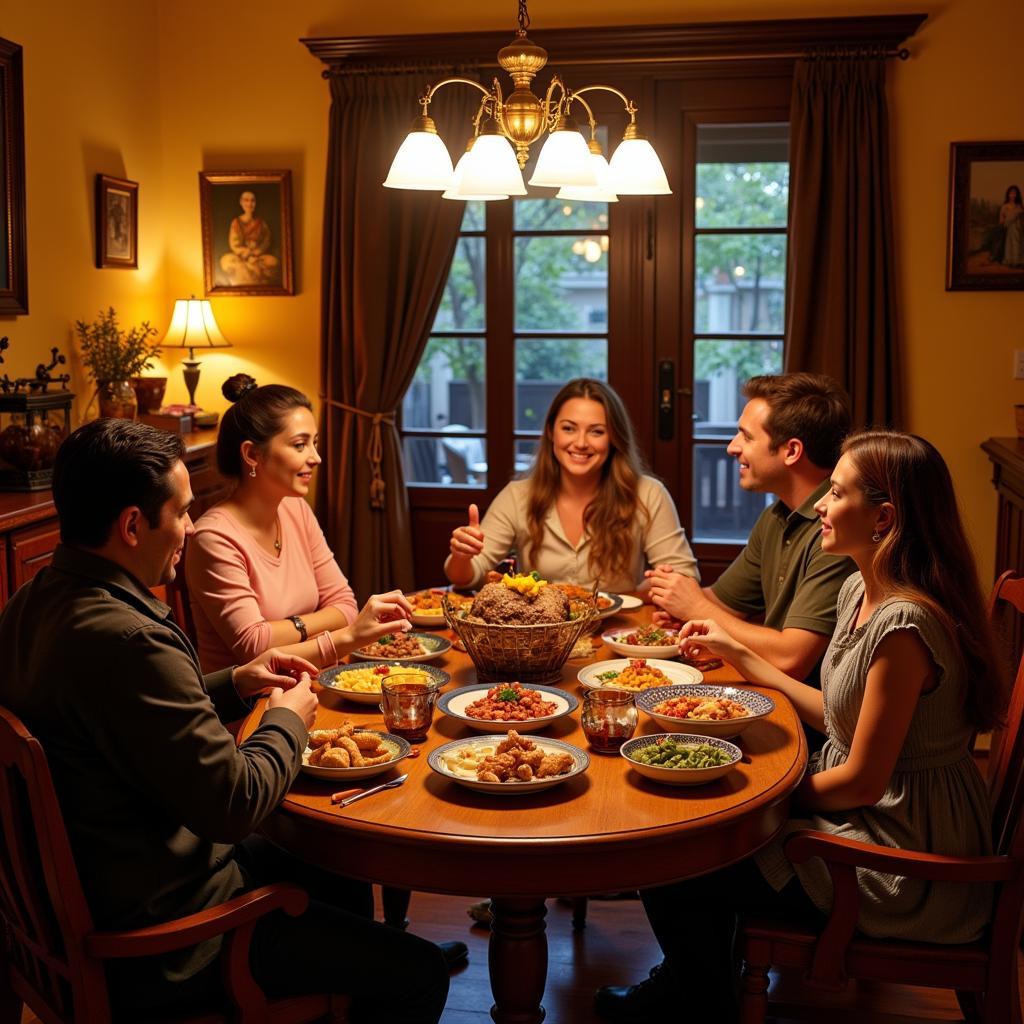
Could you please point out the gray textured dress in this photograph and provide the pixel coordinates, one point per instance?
(936, 800)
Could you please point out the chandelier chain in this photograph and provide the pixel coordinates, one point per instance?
(524, 18)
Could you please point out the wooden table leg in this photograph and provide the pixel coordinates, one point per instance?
(518, 959)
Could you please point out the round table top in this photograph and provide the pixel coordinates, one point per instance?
(607, 829)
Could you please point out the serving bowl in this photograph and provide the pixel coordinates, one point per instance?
(615, 639)
(757, 704)
(679, 776)
(441, 759)
(432, 618)
(455, 702)
(333, 679)
(396, 744)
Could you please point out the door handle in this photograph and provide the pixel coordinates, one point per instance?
(666, 400)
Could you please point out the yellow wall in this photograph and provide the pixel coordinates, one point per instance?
(157, 91)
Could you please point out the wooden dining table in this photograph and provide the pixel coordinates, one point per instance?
(606, 830)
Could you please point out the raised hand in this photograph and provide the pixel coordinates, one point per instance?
(300, 698)
(468, 541)
(382, 614)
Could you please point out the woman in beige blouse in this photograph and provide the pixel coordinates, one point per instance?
(585, 512)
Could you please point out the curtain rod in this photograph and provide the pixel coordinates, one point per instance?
(825, 53)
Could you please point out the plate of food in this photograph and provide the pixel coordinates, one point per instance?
(637, 674)
(406, 647)
(426, 606)
(630, 602)
(360, 683)
(524, 708)
(508, 765)
(680, 759)
(607, 604)
(721, 711)
(347, 754)
(645, 641)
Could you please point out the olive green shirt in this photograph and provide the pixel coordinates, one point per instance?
(782, 577)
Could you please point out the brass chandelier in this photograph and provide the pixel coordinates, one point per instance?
(505, 128)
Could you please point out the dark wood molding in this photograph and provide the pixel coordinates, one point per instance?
(13, 231)
(641, 44)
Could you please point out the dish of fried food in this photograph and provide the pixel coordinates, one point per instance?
(351, 752)
(510, 763)
(575, 592)
(426, 605)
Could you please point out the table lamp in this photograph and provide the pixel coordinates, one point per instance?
(193, 326)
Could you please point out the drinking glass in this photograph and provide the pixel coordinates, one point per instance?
(609, 718)
(407, 703)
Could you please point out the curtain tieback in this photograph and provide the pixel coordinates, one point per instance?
(374, 450)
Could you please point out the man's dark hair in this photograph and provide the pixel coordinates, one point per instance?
(811, 407)
(107, 466)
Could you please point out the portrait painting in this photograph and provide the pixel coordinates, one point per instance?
(117, 222)
(247, 232)
(986, 216)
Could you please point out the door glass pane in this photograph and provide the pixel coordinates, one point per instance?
(561, 283)
(524, 452)
(445, 460)
(742, 175)
(463, 305)
(543, 365)
(720, 368)
(559, 214)
(447, 392)
(723, 512)
(740, 284)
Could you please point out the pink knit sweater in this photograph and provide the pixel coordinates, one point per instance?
(237, 589)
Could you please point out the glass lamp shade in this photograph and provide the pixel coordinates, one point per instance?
(490, 168)
(564, 161)
(637, 171)
(456, 191)
(602, 192)
(422, 163)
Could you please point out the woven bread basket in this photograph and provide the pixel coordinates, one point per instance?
(529, 654)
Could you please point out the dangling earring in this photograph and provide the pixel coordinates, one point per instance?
(876, 536)
(252, 470)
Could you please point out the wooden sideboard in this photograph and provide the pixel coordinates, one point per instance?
(29, 531)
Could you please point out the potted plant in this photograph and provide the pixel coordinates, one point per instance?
(113, 356)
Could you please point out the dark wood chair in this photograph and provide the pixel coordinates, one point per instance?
(52, 957)
(983, 973)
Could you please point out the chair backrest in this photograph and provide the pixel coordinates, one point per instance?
(42, 905)
(1006, 758)
(456, 464)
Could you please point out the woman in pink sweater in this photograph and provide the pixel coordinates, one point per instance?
(259, 571)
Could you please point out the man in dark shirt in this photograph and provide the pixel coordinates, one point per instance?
(154, 792)
(779, 595)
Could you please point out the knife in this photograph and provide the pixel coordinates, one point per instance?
(393, 784)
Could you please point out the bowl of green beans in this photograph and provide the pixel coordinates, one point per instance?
(680, 759)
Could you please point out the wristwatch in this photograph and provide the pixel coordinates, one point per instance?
(300, 626)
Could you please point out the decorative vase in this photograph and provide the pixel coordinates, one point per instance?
(150, 392)
(117, 399)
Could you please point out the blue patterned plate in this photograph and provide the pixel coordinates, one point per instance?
(340, 678)
(679, 776)
(432, 647)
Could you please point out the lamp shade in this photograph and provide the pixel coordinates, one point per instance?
(422, 161)
(193, 326)
(636, 169)
(491, 168)
(456, 189)
(564, 160)
(602, 192)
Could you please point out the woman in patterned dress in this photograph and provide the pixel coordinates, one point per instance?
(910, 675)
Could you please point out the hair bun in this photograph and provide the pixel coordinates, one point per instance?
(237, 386)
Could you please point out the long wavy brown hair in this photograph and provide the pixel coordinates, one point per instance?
(925, 556)
(609, 520)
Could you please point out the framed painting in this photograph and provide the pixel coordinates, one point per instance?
(247, 232)
(13, 237)
(117, 222)
(985, 248)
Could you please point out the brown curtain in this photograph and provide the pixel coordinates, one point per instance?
(386, 256)
(841, 308)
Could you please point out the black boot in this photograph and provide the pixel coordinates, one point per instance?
(640, 1003)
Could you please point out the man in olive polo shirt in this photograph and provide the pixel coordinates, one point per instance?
(779, 595)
